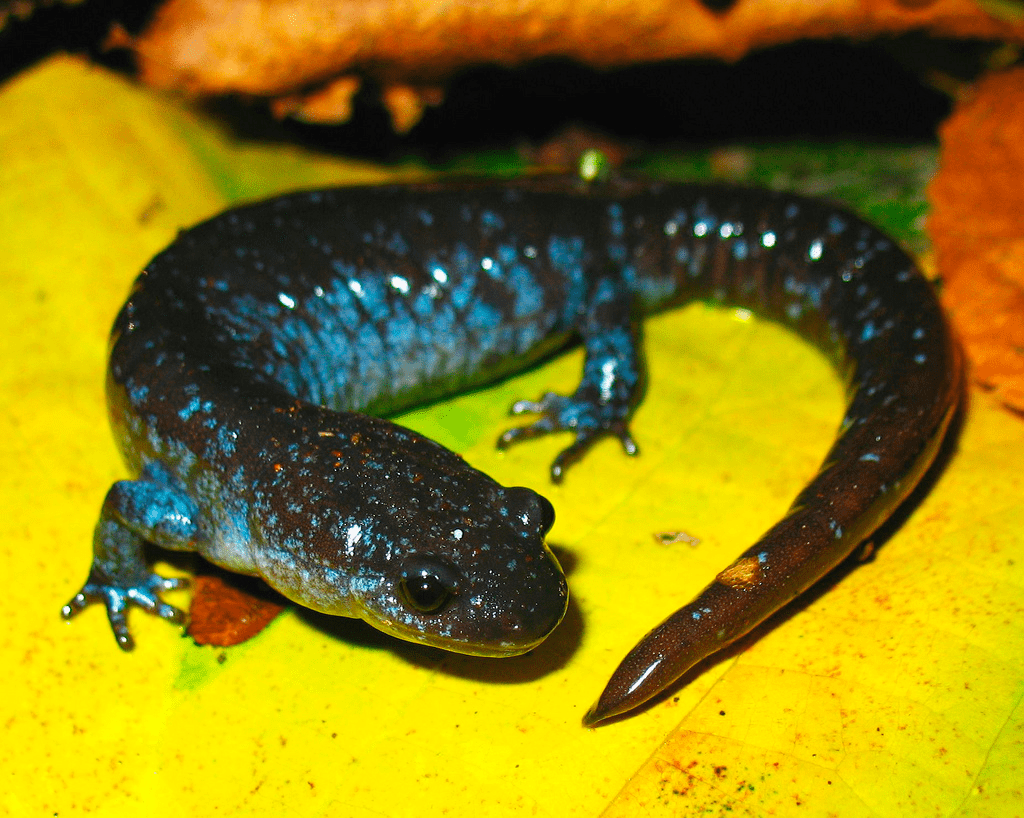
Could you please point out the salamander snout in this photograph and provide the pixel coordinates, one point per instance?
(531, 512)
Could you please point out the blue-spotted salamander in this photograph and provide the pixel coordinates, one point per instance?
(253, 353)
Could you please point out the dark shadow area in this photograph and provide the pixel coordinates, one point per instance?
(819, 90)
(76, 29)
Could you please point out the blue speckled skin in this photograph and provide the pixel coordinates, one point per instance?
(243, 363)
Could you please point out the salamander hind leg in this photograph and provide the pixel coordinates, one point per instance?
(608, 392)
(136, 512)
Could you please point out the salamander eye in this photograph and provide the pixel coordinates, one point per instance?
(426, 585)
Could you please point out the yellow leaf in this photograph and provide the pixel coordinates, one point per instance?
(893, 690)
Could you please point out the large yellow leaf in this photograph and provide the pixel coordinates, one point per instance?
(893, 691)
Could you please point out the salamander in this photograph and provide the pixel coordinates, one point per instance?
(255, 355)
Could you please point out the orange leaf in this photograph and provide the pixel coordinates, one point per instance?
(977, 225)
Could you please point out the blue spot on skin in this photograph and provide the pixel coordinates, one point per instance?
(462, 292)
(867, 332)
(226, 440)
(398, 245)
(138, 392)
(491, 222)
(483, 317)
(370, 349)
(566, 256)
(528, 293)
(617, 252)
(793, 285)
(507, 254)
(605, 292)
(615, 224)
(870, 457)
(836, 225)
(423, 303)
(463, 259)
(400, 329)
(566, 253)
(189, 409)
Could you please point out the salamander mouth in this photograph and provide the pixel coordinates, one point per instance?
(515, 645)
(487, 651)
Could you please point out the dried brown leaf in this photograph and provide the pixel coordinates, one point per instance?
(287, 47)
(224, 614)
(977, 226)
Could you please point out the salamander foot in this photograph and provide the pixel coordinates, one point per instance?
(117, 598)
(589, 419)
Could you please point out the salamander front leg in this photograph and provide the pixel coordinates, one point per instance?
(135, 512)
(608, 392)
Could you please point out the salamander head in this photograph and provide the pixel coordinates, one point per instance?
(484, 584)
(419, 544)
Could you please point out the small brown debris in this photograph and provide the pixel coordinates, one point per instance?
(224, 615)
